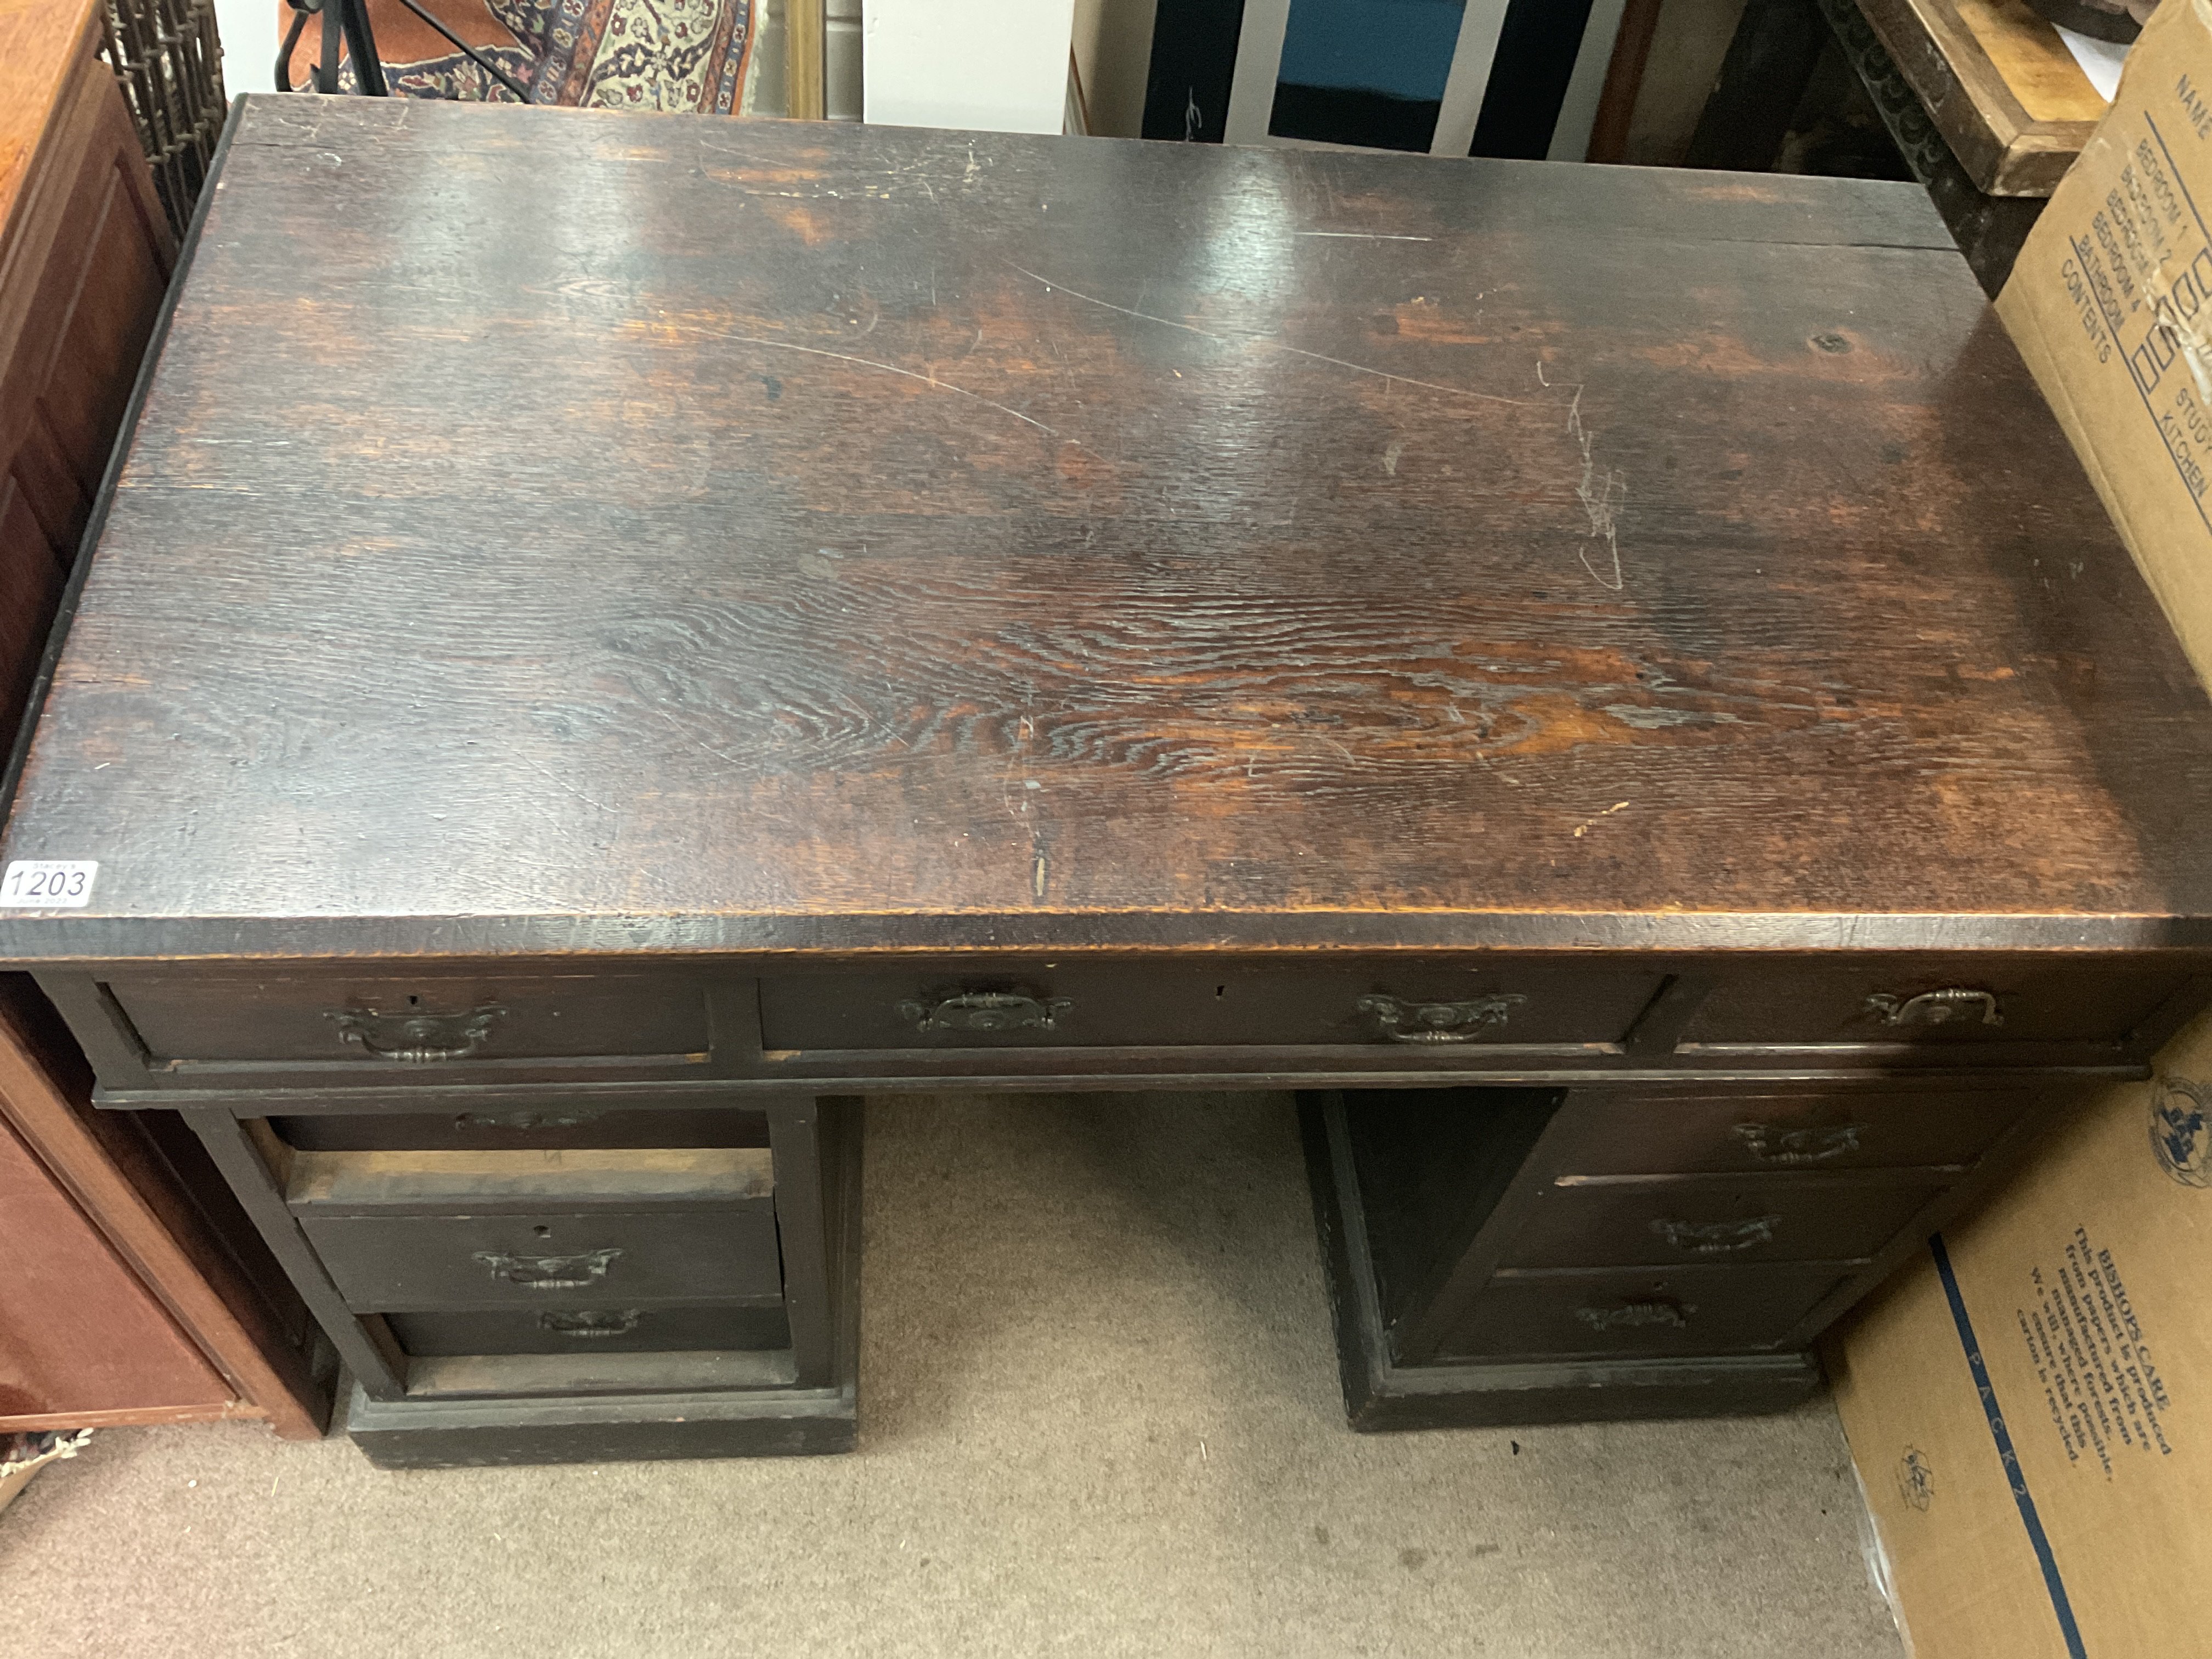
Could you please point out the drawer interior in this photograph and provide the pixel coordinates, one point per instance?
(481, 1182)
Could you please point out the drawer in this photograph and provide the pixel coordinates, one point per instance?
(1798, 1218)
(1925, 1001)
(547, 1126)
(419, 1231)
(1664, 1134)
(603, 1259)
(591, 1330)
(1692, 1310)
(1141, 1006)
(375, 1023)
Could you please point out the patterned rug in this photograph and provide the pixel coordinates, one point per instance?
(681, 57)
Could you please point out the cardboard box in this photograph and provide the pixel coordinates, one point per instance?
(2111, 304)
(22, 1455)
(2030, 1407)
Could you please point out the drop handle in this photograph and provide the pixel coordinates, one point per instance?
(986, 1011)
(1629, 1316)
(416, 1036)
(590, 1324)
(1438, 1022)
(575, 1272)
(1770, 1143)
(1954, 1004)
(1718, 1237)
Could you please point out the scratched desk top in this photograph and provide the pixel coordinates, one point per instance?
(552, 531)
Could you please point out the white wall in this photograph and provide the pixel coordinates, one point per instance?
(249, 33)
(1000, 65)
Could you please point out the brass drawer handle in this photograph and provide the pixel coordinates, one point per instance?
(549, 1272)
(1438, 1022)
(1953, 1005)
(1718, 1237)
(1674, 1315)
(1771, 1144)
(986, 1011)
(416, 1037)
(590, 1324)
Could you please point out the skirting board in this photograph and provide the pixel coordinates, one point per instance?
(446, 1434)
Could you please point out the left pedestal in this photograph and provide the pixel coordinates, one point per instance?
(570, 1285)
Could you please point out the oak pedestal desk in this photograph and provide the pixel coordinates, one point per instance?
(616, 637)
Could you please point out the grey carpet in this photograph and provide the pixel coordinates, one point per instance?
(1100, 1418)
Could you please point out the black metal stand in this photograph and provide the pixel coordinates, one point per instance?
(345, 23)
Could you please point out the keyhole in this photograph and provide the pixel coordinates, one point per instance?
(543, 1232)
(1219, 990)
(414, 1002)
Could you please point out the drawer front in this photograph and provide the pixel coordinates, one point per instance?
(1711, 1310)
(547, 1126)
(1629, 1133)
(1921, 1001)
(1804, 1218)
(591, 1330)
(1121, 1005)
(603, 1259)
(377, 1022)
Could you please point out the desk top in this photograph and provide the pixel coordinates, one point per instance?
(554, 531)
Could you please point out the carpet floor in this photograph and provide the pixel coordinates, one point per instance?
(1099, 1417)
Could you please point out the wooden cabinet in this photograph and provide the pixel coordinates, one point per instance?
(133, 1292)
(81, 1339)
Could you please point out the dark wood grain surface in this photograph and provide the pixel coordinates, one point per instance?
(555, 531)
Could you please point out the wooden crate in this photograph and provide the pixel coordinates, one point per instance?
(1999, 84)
